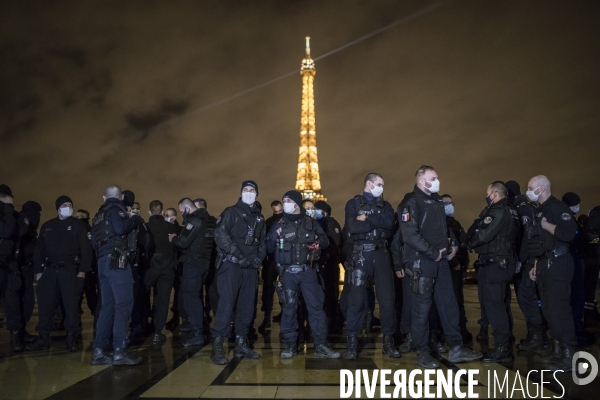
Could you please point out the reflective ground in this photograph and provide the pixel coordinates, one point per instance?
(172, 371)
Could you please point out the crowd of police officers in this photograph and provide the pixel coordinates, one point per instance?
(411, 261)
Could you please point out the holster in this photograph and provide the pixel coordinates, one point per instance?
(219, 260)
(119, 259)
(414, 280)
(279, 291)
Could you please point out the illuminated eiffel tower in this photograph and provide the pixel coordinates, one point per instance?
(307, 180)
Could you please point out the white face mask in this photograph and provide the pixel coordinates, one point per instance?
(311, 213)
(376, 190)
(65, 212)
(289, 208)
(168, 219)
(531, 194)
(435, 186)
(248, 197)
(449, 208)
(575, 209)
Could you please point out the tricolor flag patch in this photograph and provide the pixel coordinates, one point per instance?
(405, 215)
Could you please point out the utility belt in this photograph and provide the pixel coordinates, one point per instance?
(294, 269)
(119, 259)
(502, 262)
(56, 265)
(557, 252)
(370, 246)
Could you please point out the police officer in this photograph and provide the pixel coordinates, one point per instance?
(493, 236)
(110, 228)
(10, 275)
(369, 222)
(240, 237)
(269, 271)
(196, 243)
(296, 239)
(331, 258)
(63, 255)
(161, 269)
(525, 288)
(427, 239)
(591, 259)
(210, 277)
(554, 229)
(90, 286)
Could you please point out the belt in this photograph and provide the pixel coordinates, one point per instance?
(369, 246)
(294, 269)
(557, 252)
(58, 265)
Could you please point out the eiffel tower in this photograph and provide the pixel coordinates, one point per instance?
(307, 180)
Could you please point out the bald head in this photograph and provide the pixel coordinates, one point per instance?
(113, 191)
(186, 204)
(539, 188)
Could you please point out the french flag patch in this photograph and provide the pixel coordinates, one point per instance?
(405, 215)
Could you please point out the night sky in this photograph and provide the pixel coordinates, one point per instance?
(481, 90)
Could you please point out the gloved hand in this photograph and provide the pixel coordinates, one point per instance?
(246, 262)
(256, 263)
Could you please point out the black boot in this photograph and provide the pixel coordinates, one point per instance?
(289, 351)
(196, 340)
(217, 354)
(434, 342)
(322, 350)
(122, 357)
(551, 355)
(27, 337)
(185, 326)
(242, 349)
(482, 336)
(499, 354)
(101, 357)
(408, 344)
(16, 344)
(352, 349)
(389, 349)
(71, 342)
(172, 323)
(41, 343)
(564, 361)
(266, 324)
(425, 360)
(459, 354)
(534, 341)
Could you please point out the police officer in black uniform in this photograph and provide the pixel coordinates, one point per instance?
(10, 275)
(493, 236)
(553, 231)
(331, 258)
(196, 243)
(591, 258)
(269, 271)
(525, 288)
(110, 228)
(427, 239)
(296, 240)
(240, 237)
(63, 255)
(161, 269)
(369, 222)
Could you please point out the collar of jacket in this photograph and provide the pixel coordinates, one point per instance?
(545, 205)
(247, 209)
(295, 217)
(156, 217)
(500, 203)
(419, 192)
(115, 201)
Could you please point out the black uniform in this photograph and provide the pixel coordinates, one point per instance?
(493, 237)
(458, 267)
(331, 258)
(554, 266)
(240, 237)
(196, 242)
(30, 218)
(62, 251)
(269, 274)
(371, 260)
(425, 232)
(294, 257)
(591, 258)
(161, 271)
(138, 243)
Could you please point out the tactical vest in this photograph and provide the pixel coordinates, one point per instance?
(296, 239)
(505, 243)
(377, 235)
(246, 234)
(106, 239)
(203, 244)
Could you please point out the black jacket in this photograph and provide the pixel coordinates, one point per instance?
(8, 232)
(495, 232)
(196, 239)
(379, 223)
(233, 229)
(162, 252)
(63, 241)
(462, 256)
(423, 226)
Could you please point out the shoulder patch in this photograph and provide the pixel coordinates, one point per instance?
(89, 235)
(524, 220)
(337, 230)
(566, 216)
(405, 214)
(487, 220)
(189, 227)
(122, 214)
(26, 221)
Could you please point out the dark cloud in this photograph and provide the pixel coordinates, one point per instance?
(481, 90)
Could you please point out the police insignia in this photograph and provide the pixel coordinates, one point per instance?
(26, 221)
(337, 230)
(566, 216)
(122, 213)
(405, 214)
(89, 235)
(189, 227)
(487, 220)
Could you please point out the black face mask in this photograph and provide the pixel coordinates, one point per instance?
(277, 215)
(488, 200)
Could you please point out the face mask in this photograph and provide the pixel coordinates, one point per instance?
(135, 210)
(289, 208)
(376, 191)
(449, 209)
(65, 212)
(276, 215)
(248, 197)
(168, 219)
(310, 213)
(488, 200)
(575, 209)
(435, 186)
(319, 214)
(531, 194)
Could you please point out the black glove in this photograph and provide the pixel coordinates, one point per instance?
(246, 262)
(256, 263)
